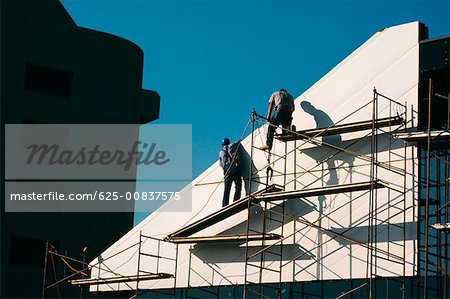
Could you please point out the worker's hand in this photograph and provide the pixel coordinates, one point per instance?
(268, 119)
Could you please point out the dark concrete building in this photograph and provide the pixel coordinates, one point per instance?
(53, 71)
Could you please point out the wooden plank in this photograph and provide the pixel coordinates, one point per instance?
(224, 238)
(340, 129)
(268, 195)
(92, 281)
(326, 190)
(224, 213)
(443, 227)
(422, 136)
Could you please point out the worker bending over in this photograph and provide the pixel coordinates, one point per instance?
(284, 106)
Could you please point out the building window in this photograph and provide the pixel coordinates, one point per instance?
(47, 80)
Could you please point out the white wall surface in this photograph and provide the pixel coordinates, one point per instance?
(387, 61)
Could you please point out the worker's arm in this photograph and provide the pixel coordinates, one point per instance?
(269, 110)
(221, 159)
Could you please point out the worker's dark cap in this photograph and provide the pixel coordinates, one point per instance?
(283, 90)
(225, 141)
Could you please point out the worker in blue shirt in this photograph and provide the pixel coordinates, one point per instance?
(230, 162)
(283, 103)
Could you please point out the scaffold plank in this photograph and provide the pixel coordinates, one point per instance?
(224, 238)
(340, 129)
(95, 281)
(422, 136)
(224, 213)
(442, 227)
(272, 195)
(326, 190)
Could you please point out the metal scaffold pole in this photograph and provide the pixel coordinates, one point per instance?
(45, 270)
(138, 265)
(371, 233)
(404, 216)
(250, 174)
(427, 205)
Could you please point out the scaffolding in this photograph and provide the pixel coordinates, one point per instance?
(386, 212)
(273, 197)
(274, 203)
(149, 267)
(434, 188)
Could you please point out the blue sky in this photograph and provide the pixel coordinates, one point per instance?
(212, 62)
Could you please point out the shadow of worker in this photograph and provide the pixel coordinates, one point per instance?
(326, 154)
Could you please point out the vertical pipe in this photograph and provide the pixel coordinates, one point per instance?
(295, 242)
(81, 287)
(175, 273)
(388, 220)
(55, 275)
(439, 220)
(294, 222)
(157, 256)
(416, 282)
(263, 244)
(405, 173)
(189, 272)
(264, 223)
(263, 241)
(244, 293)
(250, 174)
(285, 164)
(425, 286)
(321, 199)
(45, 270)
(138, 265)
(448, 111)
(375, 198)
(415, 200)
(295, 164)
(446, 195)
(282, 218)
(99, 272)
(390, 131)
(371, 199)
(262, 254)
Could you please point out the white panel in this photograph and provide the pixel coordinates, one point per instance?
(387, 61)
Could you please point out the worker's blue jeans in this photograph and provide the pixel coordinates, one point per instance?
(236, 177)
(282, 117)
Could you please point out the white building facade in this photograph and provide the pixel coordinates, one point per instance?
(345, 208)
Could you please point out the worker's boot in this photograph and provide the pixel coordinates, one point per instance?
(265, 148)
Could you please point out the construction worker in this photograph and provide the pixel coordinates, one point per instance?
(284, 106)
(230, 163)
